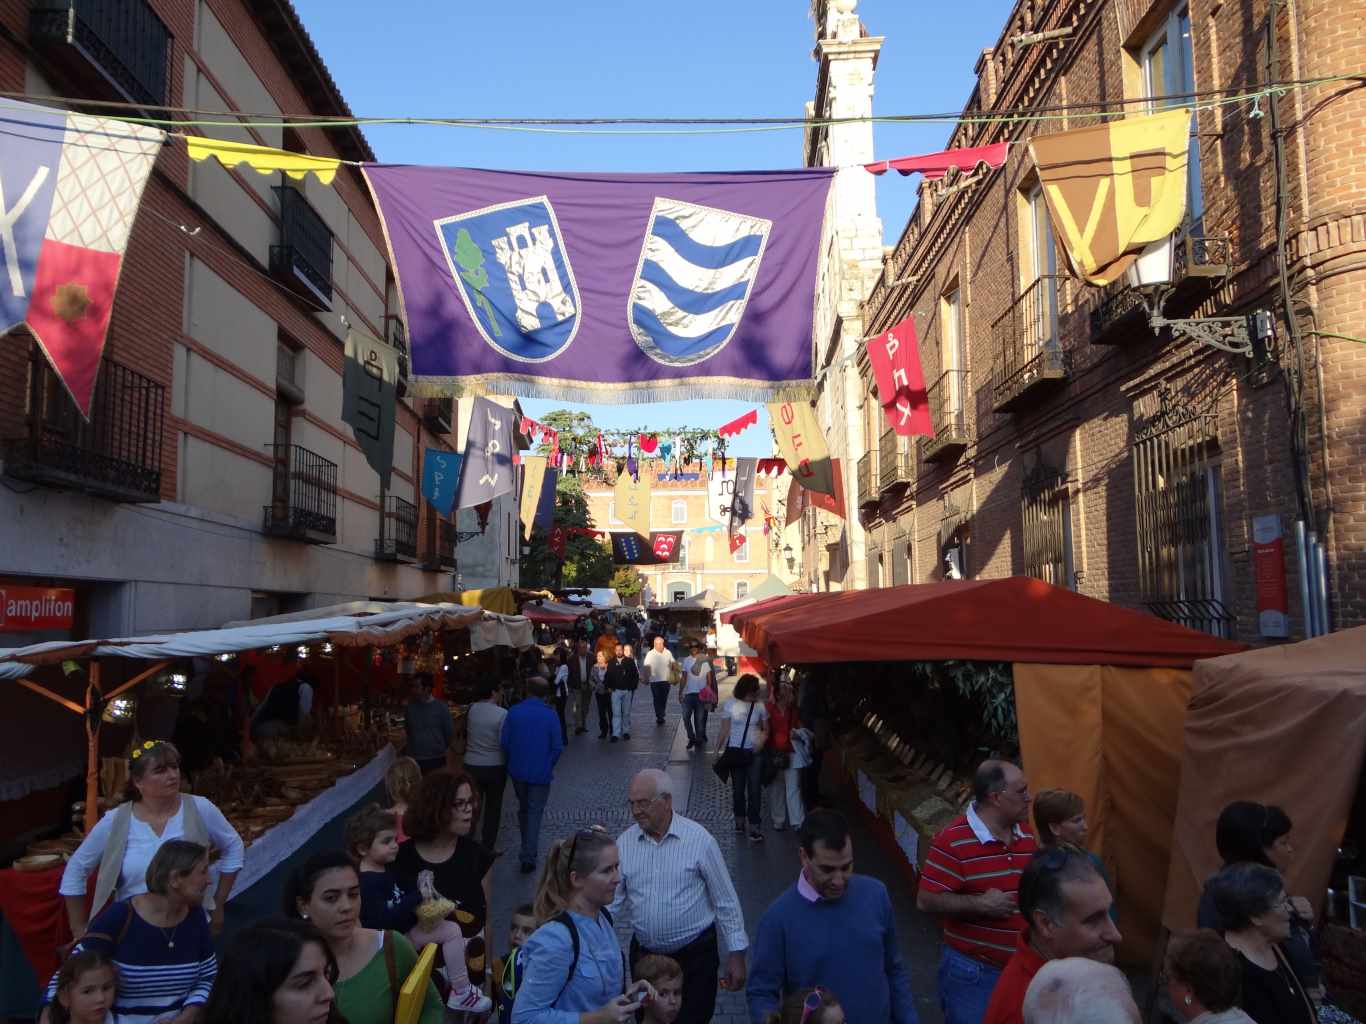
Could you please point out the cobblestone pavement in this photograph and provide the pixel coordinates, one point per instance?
(590, 789)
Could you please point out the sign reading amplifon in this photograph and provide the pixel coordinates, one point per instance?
(28, 609)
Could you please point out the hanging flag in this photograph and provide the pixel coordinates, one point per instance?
(440, 477)
(895, 356)
(262, 159)
(665, 545)
(770, 468)
(602, 450)
(737, 541)
(720, 490)
(70, 186)
(666, 449)
(545, 509)
(632, 467)
(488, 454)
(803, 445)
(799, 497)
(553, 436)
(936, 165)
(632, 497)
(629, 549)
(557, 542)
(533, 482)
(1114, 189)
(738, 424)
(614, 288)
(742, 499)
(370, 399)
(649, 443)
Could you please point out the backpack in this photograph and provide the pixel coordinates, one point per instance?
(564, 919)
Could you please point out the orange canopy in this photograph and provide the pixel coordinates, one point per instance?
(1016, 619)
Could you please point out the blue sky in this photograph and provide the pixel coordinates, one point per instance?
(536, 58)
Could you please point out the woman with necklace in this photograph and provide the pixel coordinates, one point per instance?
(371, 965)
(575, 972)
(159, 941)
(123, 842)
(1251, 902)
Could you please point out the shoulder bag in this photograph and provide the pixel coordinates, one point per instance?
(735, 758)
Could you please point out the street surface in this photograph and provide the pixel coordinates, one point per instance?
(590, 789)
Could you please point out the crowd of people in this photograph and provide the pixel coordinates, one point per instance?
(1026, 913)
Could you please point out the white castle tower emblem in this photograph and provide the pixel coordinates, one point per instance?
(528, 256)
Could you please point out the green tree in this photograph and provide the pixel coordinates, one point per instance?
(587, 563)
(627, 581)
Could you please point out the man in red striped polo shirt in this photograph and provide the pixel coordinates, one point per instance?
(971, 876)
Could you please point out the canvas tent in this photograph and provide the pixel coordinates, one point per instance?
(1100, 696)
(1309, 698)
(728, 641)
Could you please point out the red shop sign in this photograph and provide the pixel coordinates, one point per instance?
(25, 609)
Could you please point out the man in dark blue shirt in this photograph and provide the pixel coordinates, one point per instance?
(532, 743)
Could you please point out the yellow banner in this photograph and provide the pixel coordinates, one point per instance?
(803, 445)
(262, 159)
(632, 498)
(533, 481)
(1114, 189)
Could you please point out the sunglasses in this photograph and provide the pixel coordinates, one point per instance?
(583, 833)
(813, 1004)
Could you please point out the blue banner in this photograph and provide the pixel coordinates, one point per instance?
(440, 477)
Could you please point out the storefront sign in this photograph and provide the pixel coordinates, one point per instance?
(27, 609)
(1268, 560)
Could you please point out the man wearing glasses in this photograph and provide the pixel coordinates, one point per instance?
(678, 895)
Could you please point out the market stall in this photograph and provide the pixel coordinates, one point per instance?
(1310, 699)
(1095, 693)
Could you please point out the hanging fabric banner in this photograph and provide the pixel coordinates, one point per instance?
(533, 483)
(70, 186)
(1114, 189)
(370, 399)
(545, 509)
(738, 424)
(649, 444)
(557, 542)
(742, 499)
(488, 454)
(615, 288)
(665, 545)
(440, 477)
(895, 356)
(936, 165)
(719, 492)
(629, 549)
(632, 497)
(799, 498)
(802, 445)
(262, 159)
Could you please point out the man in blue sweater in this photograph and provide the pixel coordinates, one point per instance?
(833, 929)
(531, 743)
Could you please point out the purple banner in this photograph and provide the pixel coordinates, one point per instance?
(609, 288)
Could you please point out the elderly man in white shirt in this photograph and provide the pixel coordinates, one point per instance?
(677, 895)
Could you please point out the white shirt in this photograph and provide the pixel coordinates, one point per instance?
(305, 700)
(657, 665)
(483, 727)
(737, 711)
(143, 843)
(677, 888)
(695, 681)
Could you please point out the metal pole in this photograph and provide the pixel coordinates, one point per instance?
(1302, 563)
(1321, 574)
(1314, 583)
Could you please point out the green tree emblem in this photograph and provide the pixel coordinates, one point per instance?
(471, 260)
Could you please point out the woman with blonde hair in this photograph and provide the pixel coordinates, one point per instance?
(400, 783)
(574, 962)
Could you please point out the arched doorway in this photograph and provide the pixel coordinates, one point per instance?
(679, 591)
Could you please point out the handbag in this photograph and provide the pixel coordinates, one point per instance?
(707, 695)
(735, 758)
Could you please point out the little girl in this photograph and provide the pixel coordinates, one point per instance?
(86, 984)
(400, 783)
(809, 1006)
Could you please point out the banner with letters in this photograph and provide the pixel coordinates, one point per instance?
(895, 356)
(370, 399)
(440, 477)
(487, 470)
(803, 445)
(608, 288)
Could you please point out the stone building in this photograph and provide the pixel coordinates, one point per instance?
(1074, 442)
(216, 480)
(706, 561)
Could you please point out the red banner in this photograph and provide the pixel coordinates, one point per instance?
(557, 542)
(25, 609)
(1268, 561)
(895, 356)
(664, 546)
(738, 424)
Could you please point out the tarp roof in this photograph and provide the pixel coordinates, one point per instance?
(704, 602)
(553, 612)
(1015, 619)
(1307, 698)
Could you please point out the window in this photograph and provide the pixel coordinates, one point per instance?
(612, 512)
(1046, 518)
(742, 552)
(709, 551)
(741, 590)
(1167, 63)
(1179, 511)
(1041, 323)
(679, 511)
(953, 356)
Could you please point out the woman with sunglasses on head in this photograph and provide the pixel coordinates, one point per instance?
(809, 1006)
(278, 971)
(575, 972)
(1251, 902)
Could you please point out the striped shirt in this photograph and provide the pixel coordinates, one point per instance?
(966, 859)
(156, 980)
(676, 888)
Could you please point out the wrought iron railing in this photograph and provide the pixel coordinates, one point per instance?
(304, 254)
(397, 529)
(1119, 307)
(123, 40)
(948, 402)
(303, 496)
(894, 461)
(445, 544)
(867, 482)
(1029, 352)
(116, 453)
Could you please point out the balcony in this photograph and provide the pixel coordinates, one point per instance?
(109, 47)
(948, 401)
(303, 496)
(437, 414)
(397, 540)
(895, 463)
(867, 481)
(1199, 263)
(1030, 361)
(1119, 313)
(445, 544)
(303, 259)
(116, 454)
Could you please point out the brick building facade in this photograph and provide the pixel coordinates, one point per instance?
(216, 480)
(1071, 441)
